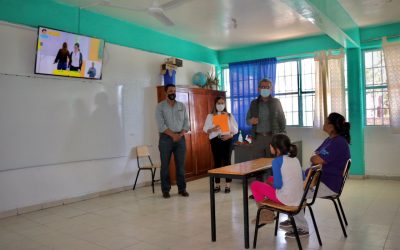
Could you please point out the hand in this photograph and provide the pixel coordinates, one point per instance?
(254, 121)
(214, 129)
(176, 137)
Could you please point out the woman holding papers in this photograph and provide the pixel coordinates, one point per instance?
(221, 126)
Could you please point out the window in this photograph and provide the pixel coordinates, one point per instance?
(295, 87)
(376, 92)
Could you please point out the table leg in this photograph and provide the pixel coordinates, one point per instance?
(246, 213)
(212, 204)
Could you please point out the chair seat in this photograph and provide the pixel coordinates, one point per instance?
(281, 207)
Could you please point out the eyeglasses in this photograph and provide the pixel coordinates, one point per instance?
(265, 87)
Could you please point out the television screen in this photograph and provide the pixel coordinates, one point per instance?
(66, 54)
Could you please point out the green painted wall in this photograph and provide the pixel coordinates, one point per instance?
(64, 17)
(278, 49)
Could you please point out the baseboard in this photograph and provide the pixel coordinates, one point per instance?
(383, 177)
(357, 177)
(56, 203)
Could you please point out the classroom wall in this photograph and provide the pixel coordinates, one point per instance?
(381, 148)
(381, 152)
(138, 74)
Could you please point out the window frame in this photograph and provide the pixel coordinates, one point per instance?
(299, 92)
(383, 86)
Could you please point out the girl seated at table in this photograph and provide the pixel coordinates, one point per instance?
(286, 184)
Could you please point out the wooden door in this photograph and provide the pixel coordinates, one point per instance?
(202, 149)
(183, 96)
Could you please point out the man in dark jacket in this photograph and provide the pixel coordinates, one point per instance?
(266, 117)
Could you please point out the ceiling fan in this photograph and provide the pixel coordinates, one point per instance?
(155, 10)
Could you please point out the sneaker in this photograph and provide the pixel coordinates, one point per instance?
(217, 189)
(184, 193)
(227, 190)
(285, 223)
(166, 195)
(302, 233)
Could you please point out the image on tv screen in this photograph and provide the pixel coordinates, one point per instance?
(66, 54)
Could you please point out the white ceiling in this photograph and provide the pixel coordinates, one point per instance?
(209, 22)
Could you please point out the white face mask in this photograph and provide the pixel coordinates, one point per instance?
(220, 107)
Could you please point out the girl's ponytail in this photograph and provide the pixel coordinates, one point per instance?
(292, 150)
(346, 131)
(282, 142)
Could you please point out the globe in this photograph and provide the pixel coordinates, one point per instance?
(199, 79)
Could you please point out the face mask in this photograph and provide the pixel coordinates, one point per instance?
(171, 97)
(265, 92)
(220, 107)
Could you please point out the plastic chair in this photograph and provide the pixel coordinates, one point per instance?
(333, 198)
(312, 182)
(143, 152)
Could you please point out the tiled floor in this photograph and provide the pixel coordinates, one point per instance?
(140, 220)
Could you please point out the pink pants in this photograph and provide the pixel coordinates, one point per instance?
(262, 190)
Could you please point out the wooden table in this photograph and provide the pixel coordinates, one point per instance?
(243, 171)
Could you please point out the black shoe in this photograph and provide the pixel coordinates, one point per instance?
(217, 189)
(302, 233)
(227, 190)
(184, 193)
(251, 197)
(286, 224)
(166, 195)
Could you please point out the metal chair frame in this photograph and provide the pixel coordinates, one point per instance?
(143, 151)
(312, 181)
(333, 198)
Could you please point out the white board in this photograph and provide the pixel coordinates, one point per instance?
(47, 121)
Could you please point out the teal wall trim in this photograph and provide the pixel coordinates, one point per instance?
(371, 37)
(278, 49)
(65, 17)
(356, 93)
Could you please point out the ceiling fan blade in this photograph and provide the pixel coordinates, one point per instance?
(159, 14)
(171, 4)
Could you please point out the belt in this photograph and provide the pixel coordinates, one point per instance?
(264, 133)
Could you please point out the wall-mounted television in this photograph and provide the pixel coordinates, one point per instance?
(62, 53)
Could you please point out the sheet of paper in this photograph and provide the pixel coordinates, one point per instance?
(223, 121)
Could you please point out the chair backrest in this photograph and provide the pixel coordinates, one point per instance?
(143, 151)
(345, 175)
(308, 176)
(312, 181)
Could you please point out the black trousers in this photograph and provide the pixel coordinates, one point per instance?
(222, 151)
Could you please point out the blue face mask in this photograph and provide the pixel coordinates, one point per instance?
(265, 92)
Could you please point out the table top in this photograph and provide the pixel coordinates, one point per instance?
(244, 168)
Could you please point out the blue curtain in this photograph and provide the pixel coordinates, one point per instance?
(244, 78)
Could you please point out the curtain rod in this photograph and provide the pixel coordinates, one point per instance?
(379, 38)
(308, 53)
